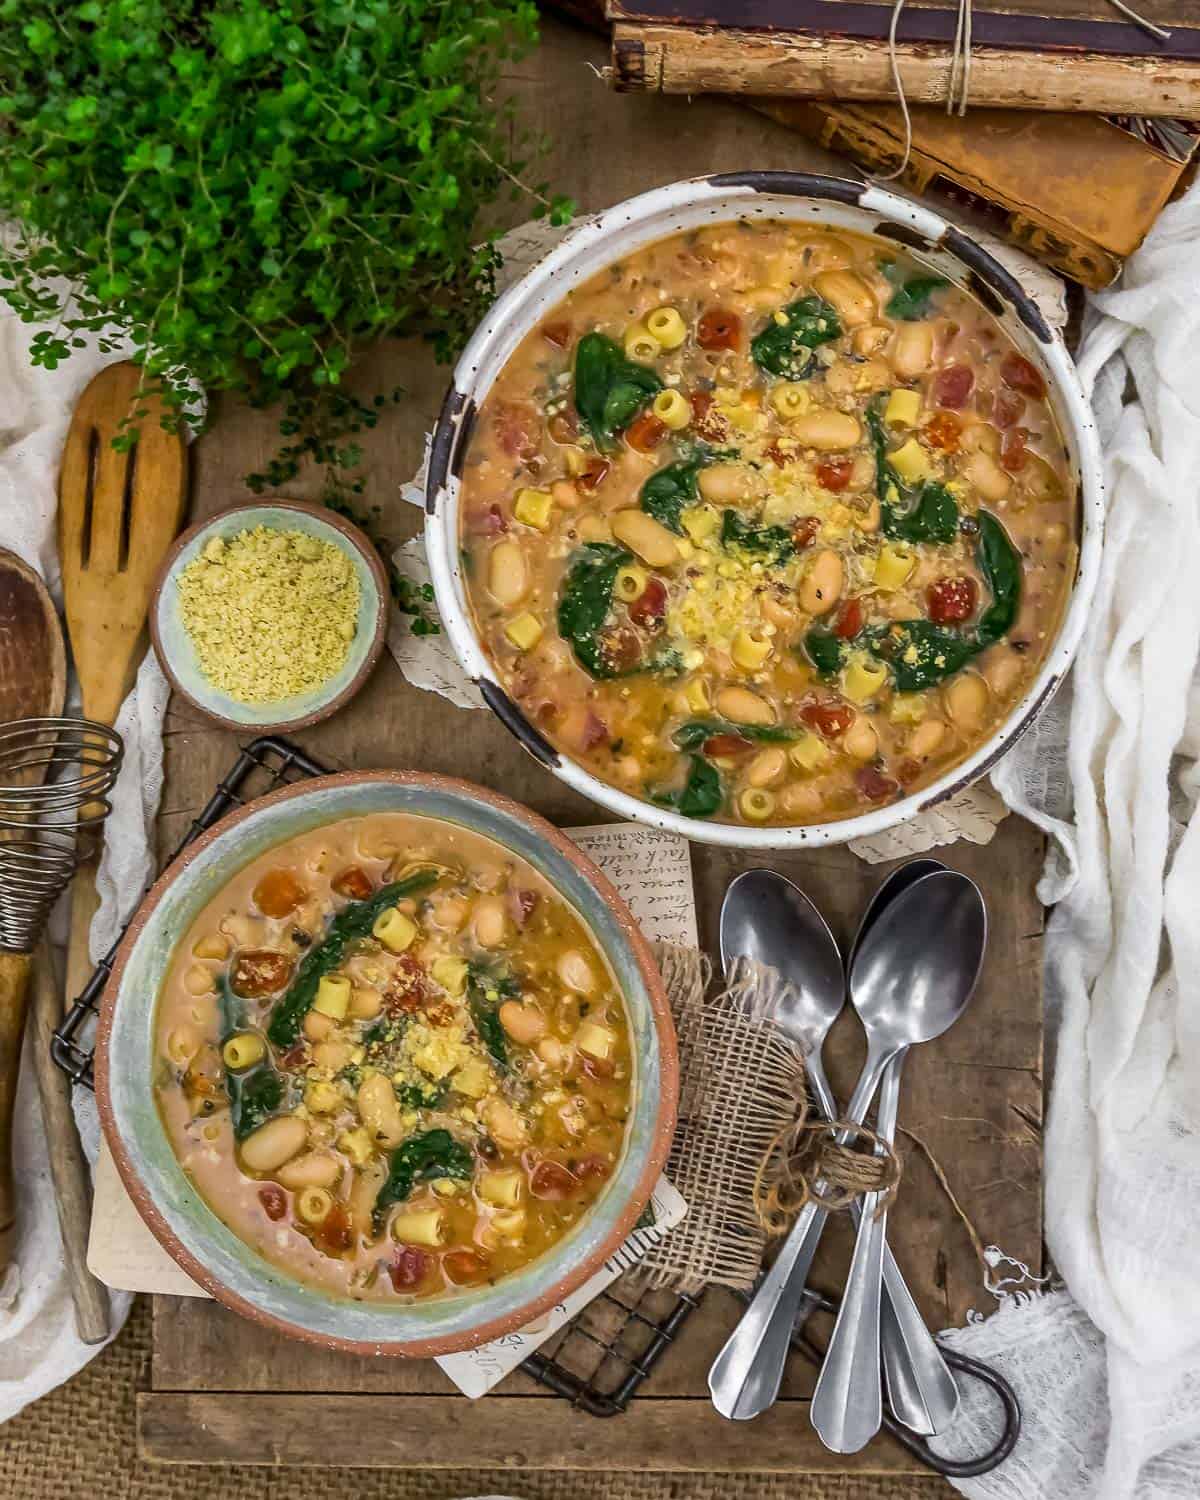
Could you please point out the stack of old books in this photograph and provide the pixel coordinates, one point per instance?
(1081, 121)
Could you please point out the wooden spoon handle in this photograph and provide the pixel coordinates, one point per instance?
(68, 1169)
(14, 978)
(85, 902)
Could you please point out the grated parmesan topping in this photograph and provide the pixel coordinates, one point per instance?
(270, 613)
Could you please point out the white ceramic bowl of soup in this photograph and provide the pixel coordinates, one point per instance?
(777, 197)
(173, 1201)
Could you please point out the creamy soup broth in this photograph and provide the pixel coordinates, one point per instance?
(393, 1060)
(767, 524)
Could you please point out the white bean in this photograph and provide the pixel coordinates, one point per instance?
(966, 700)
(576, 973)
(849, 294)
(642, 534)
(729, 484)
(827, 431)
(926, 737)
(767, 767)
(508, 577)
(272, 1144)
(821, 587)
(524, 1023)
(740, 706)
(912, 350)
(313, 1169)
(380, 1110)
(488, 921)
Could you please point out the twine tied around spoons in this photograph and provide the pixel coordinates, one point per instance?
(56, 775)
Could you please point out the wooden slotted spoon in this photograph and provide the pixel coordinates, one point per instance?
(118, 513)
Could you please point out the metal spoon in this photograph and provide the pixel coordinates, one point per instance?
(766, 917)
(913, 975)
(925, 1404)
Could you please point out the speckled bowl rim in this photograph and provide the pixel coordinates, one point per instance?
(806, 197)
(660, 1017)
(361, 544)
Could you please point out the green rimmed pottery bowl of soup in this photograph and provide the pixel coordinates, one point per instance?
(386, 1064)
(270, 616)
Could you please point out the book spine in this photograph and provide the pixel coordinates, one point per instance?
(677, 59)
(877, 151)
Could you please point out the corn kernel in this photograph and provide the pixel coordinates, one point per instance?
(525, 631)
(534, 508)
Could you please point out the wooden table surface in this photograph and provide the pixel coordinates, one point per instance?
(220, 1389)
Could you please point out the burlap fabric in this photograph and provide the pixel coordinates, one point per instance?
(78, 1443)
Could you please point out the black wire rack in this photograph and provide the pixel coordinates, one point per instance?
(597, 1361)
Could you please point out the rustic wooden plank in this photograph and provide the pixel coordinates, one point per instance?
(652, 58)
(436, 1433)
(220, 1386)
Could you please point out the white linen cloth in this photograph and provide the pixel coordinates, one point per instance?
(39, 1347)
(1109, 1369)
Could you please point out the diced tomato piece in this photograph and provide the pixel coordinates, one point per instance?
(952, 386)
(1007, 408)
(517, 427)
(558, 333)
(406, 991)
(834, 473)
(908, 770)
(489, 522)
(651, 604)
(597, 1067)
(850, 619)
(465, 1267)
(594, 732)
(622, 648)
(279, 893)
(552, 1181)
(336, 1234)
(943, 430)
(722, 745)
(707, 421)
(594, 474)
(804, 531)
(258, 972)
(354, 883)
(646, 433)
(521, 905)
(1019, 375)
(1013, 452)
(295, 1057)
(951, 600)
(874, 784)
(782, 453)
(828, 718)
(408, 1268)
(273, 1200)
(563, 426)
(719, 328)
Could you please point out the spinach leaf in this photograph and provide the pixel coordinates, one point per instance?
(701, 794)
(667, 494)
(354, 921)
(784, 348)
(692, 735)
(773, 540)
(926, 512)
(609, 389)
(230, 1009)
(825, 650)
(253, 1098)
(918, 652)
(422, 1158)
(414, 1096)
(586, 600)
(911, 301)
(486, 992)
(1000, 563)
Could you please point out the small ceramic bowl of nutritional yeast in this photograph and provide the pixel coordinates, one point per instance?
(766, 509)
(270, 616)
(386, 1064)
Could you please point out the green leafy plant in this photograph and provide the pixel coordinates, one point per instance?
(785, 346)
(249, 190)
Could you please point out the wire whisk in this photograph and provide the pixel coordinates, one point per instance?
(55, 779)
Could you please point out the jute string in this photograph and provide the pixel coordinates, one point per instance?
(958, 87)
